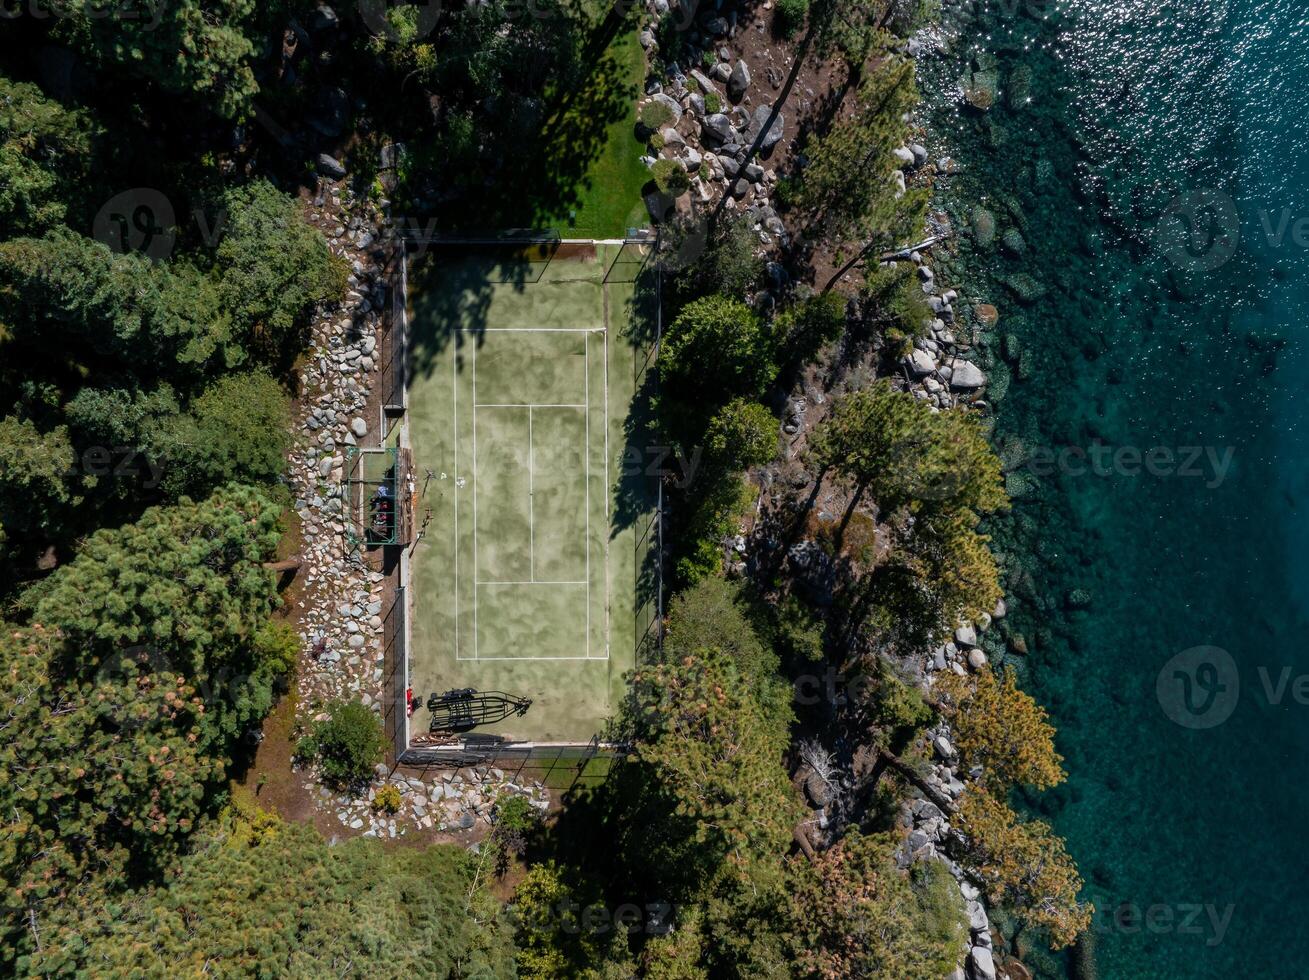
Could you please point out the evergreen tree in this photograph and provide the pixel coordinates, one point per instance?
(186, 585)
(905, 453)
(263, 898)
(847, 185)
(1023, 866)
(45, 155)
(743, 434)
(158, 318)
(716, 348)
(1002, 729)
(273, 268)
(855, 914)
(201, 49)
(34, 469)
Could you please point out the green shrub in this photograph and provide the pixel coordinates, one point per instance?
(655, 116)
(791, 16)
(387, 799)
(714, 349)
(803, 329)
(514, 819)
(236, 431)
(670, 178)
(716, 518)
(657, 142)
(278, 647)
(743, 434)
(713, 102)
(346, 746)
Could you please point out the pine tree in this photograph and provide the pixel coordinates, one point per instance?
(1002, 729)
(200, 49)
(46, 151)
(186, 585)
(847, 185)
(155, 317)
(853, 913)
(905, 454)
(1023, 865)
(259, 897)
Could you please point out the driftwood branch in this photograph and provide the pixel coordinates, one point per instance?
(904, 253)
(944, 802)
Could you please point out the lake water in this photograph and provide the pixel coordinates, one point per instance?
(1149, 363)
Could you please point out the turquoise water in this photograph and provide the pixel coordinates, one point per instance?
(1169, 318)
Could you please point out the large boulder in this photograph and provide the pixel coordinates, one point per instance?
(738, 82)
(982, 222)
(920, 363)
(757, 123)
(329, 166)
(672, 105)
(981, 965)
(966, 376)
(718, 128)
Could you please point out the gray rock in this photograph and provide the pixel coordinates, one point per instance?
(903, 156)
(981, 966)
(330, 166)
(701, 79)
(1012, 243)
(672, 138)
(359, 427)
(943, 748)
(920, 363)
(966, 636)
(692, 159)
(966, 375)
(982, 223)
(738, 82)
(920, 153)
(672, 104)
(976, 659)
(718, 128)
(977, 920)
(721, 71)
(757, 123)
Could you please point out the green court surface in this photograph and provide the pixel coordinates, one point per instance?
(530, 374)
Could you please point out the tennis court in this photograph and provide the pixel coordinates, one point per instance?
(528, 385)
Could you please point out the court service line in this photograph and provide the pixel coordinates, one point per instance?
(477, 633)
(531, 500)
(586, 449)
(454, 397)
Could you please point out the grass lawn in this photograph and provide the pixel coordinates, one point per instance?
(608, 195)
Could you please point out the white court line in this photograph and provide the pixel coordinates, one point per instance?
(608, 492)
(533, 330)
(530, 405)
(486, 585)
(454, 397)
(586, 450)
(531, 501)
(477, 634)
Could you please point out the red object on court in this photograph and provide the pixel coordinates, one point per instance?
(410, 701)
